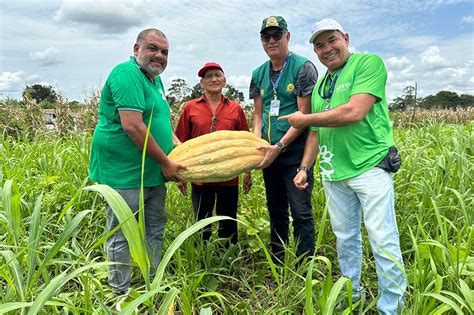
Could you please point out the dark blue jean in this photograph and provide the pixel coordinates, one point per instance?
(282, 194)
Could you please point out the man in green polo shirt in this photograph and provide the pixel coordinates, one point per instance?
(132, 98)
(280, 86)
(352, 131)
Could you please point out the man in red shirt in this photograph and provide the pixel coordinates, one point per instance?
(211, 112)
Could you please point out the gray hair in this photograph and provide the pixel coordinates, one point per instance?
(143, 34)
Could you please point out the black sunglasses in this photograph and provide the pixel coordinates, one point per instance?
(276, 36)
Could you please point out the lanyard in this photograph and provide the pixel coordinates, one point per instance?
(275, 84)
(327, 94)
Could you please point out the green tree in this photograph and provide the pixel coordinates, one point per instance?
(466, 100)
(447, 99)
(405, 101)
(45, 95)
(233, 94)
(197, 91)
(179, 91)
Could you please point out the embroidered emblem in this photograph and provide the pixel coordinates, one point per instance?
(290, 88)
(272, 21)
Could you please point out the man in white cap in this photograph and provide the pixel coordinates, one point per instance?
(350, 128)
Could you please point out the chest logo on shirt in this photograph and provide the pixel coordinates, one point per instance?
(290, 88)
(262, 92)
(343, 87)
(163, 96)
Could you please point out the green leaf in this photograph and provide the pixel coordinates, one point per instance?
(70, 229)
(177, 243)
(332, 299)
(15, 267)
(34, 239)
(58, 282)
(130, 228)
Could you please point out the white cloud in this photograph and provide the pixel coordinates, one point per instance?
(432, 59)
(106, 15)
(468, 19)
(241, 82)
(48, 57)
(16, 81)
(396, 63)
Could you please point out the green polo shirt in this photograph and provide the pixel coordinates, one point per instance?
(115, 159)
(348, 151)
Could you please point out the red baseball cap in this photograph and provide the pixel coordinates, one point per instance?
(207, 66)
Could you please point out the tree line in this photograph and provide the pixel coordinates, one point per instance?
(442, 100)
(179, 92)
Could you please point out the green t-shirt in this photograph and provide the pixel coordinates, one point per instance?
(351, 150)
(115, 159)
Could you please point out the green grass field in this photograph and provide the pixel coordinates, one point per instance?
(52, 239)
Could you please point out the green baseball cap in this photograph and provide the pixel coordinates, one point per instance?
(274, 21)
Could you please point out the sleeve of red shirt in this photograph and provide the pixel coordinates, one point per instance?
(183, 128)
(243, 125)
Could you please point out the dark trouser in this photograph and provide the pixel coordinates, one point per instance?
(281, 191)
(117, 245)
(225, 198)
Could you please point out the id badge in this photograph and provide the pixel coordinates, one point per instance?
(274, 107)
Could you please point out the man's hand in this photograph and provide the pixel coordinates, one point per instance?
(271, 153)
(183, 188)
(296, 120)
(300, 180)
(170, 170)
(247, 183)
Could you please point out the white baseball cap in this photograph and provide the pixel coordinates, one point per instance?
(325, 25)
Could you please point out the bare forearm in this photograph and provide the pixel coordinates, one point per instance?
(291, 135)
(311, 149)
(257, 125)
(347, 114)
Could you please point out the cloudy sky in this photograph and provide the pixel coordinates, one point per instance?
(73, 45)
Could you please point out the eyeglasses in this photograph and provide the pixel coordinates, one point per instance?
(276, 36)
(213, 124)
(209, 76)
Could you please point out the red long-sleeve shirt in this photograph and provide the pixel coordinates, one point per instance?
(196, 120)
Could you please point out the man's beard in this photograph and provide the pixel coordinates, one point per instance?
(149, 69)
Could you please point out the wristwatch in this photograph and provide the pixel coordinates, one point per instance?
(302, 168)
(281, 146)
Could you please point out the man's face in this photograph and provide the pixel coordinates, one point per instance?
(213, 81)
(275, 42)
(332, 48)
(152, 54)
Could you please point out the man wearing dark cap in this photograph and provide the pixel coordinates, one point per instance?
(351, 129)
(200, 116)
(281, 86)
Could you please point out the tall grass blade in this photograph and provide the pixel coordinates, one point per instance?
(177, 243)
(34, 239)
(15, 267)
(333, 294)
(130, 228)
(56, 283)
(308, 288)
(70, 229)
(168, 302)
(11, 205)
(447, 301)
